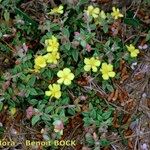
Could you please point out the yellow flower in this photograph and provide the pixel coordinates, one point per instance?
(91, 63)
(91, 11)
(107, 71)
(57, 10)
(65, 76)
(40, 62)
(52, 57)
(133, 51)
(116, 13)
(52, 44)
(54, 91)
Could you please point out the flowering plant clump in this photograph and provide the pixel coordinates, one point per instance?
(52, 46)
(52, 57)
(66, 67)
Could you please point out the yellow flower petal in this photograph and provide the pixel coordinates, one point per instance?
(90, 9)
(56, 87)
(97, 63)
(96, 10)
(48, 93)
(60, 73)
(87, 67)
(58, 95)
(105, 76)
(67, 82)
(111, 74)
(60, 81)
(86, 61)
(66, 70)
(94, 69)
(49, 49)
(71, 76)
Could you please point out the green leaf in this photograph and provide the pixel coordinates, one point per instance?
(32, 80)
(83, 43)
(93, 114)
(86, 114)
(64, 101)
(33, 91)
(47, 74)
(46, 117)
(1, 132)
(90, 106)
(71, 111)
(106, 115)
(81, 2)
(131, 21)
(6, 15)
(40, 107)
(1, 106)
(1, 34)
(66, 32)
(26, 17)
(33, 101)
(75, 55)
(48, 109)
(104, 142)
(148, 36)
(108, 121)
(100, 118)
(105, 28)
(86, 121)
(35, 119)
(67, 46)
(109, 87)
(89, 139)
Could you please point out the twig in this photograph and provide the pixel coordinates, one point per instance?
(137, 9)
(128, 137)
(108, 103)
(12, 49)
(52, 3)
(73, 133)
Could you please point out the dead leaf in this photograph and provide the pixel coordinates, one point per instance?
(115, 95)
(111, 96)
